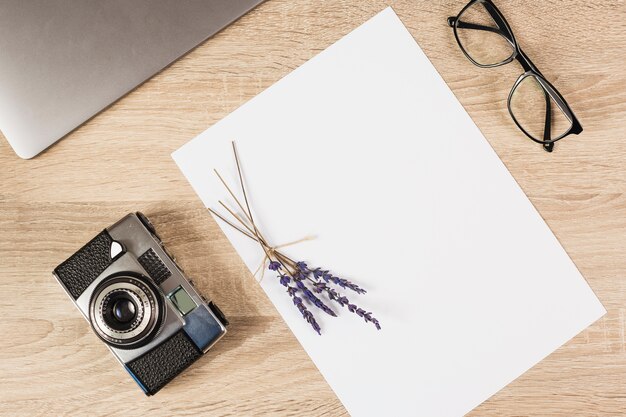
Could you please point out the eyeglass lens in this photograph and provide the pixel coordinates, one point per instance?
(481, 38)
(536, 112)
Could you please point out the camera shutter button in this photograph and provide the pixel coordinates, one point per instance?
(147, 223)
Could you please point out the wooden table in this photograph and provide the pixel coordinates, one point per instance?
(52, 364)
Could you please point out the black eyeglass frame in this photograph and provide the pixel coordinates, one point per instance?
(530, 70)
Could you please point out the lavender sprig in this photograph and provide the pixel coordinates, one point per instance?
(275, 266)
(343, 283)
(316, 301)
(344, 302)
(308, 316)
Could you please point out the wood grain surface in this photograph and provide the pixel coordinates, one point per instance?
(52, 364)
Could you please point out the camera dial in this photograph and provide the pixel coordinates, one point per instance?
(126, 311)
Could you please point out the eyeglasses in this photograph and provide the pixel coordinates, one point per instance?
(536, 107)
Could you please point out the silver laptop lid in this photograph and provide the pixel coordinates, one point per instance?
(63, 61)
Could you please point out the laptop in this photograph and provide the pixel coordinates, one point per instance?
(63, 61)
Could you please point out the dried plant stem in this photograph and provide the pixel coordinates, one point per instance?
(228, 222)
(252, 230)
(243, 188)
(283, 258)
(241, 221)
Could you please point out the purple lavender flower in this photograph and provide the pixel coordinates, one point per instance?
(308, 316)
(274, 266)
(344, 302)
(316, 301)
(302, 267)
(343, 283)
(317, 273)
(302, 270)
(285, 279)
(362, 313)
(318, 287)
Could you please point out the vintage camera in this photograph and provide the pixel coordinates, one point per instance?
(140, 303)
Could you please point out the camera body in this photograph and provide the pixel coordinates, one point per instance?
(139, 302)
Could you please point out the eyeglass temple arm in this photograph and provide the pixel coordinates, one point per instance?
(547, 134)
(466, 25)
(491, 9)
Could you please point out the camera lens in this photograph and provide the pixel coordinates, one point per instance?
(121, 308)
(124, 310)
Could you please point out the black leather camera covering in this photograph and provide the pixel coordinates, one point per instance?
(154, 266)
(160, 365)
(82, 268)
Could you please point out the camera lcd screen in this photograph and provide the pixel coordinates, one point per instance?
(182, 301)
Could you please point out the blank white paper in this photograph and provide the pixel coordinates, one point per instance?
(367, 149)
